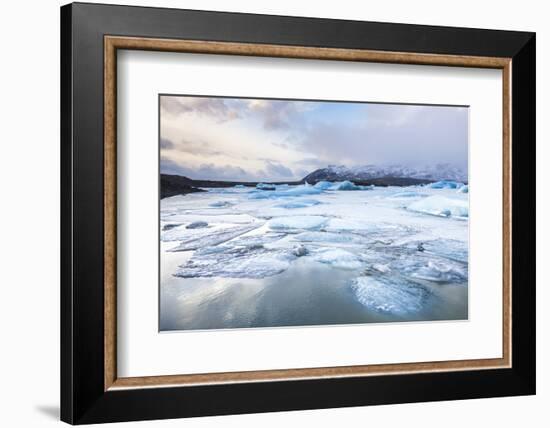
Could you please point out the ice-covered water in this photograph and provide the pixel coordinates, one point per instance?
(311, 255)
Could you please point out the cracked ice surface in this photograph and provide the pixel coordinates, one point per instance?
(384, 295)
(213, 238)
(398, 252)
(253, 261)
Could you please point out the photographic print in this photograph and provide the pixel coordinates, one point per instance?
(281, 212)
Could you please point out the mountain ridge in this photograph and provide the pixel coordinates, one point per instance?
(366, 175)
(442, 171)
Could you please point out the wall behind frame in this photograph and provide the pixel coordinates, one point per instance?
(29, 220)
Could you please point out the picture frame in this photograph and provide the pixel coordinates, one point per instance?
(91, 390)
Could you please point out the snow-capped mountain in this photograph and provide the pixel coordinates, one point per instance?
(368, 172)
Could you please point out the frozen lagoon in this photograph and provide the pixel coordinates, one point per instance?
(313, 255)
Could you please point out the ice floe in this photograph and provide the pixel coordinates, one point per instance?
(441, 206)
(394, 259)
(448, 248)
(384, 295)
(323, 237)
(220, 204)
(338, 258)
(417, 262)
(301, 203)
(407, 194)
(253, 261)
(440, 271)
(214, 237)
(265, 186)
(307, 222)
(284, 193)
(445, 184)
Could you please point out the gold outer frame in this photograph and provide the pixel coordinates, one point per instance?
(113, 43)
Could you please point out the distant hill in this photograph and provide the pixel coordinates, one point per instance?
(384, 173)
(172, 185)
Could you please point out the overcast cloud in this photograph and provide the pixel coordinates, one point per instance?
(253, 139)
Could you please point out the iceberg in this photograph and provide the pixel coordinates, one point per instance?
(348, 185)
(463, 189)
(307, 222)
(441, 206)
(445, 184)
(323, 185)
(388, 296)
(265, 186)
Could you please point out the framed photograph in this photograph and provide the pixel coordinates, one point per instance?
(265, 213)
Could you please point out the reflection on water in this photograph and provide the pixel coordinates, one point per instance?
(308, 293)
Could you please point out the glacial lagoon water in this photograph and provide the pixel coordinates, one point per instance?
(313, 255)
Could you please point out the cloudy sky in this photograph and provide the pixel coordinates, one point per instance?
(276, 140)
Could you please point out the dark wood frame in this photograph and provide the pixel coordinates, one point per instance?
(90, 36)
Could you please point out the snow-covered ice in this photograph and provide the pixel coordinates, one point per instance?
(397, 252)
(212, 238)
(302, 203)
(441, 206)
(253, 261)
(324, 237)
(384, 295)
(298, 222)
(338, 258)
